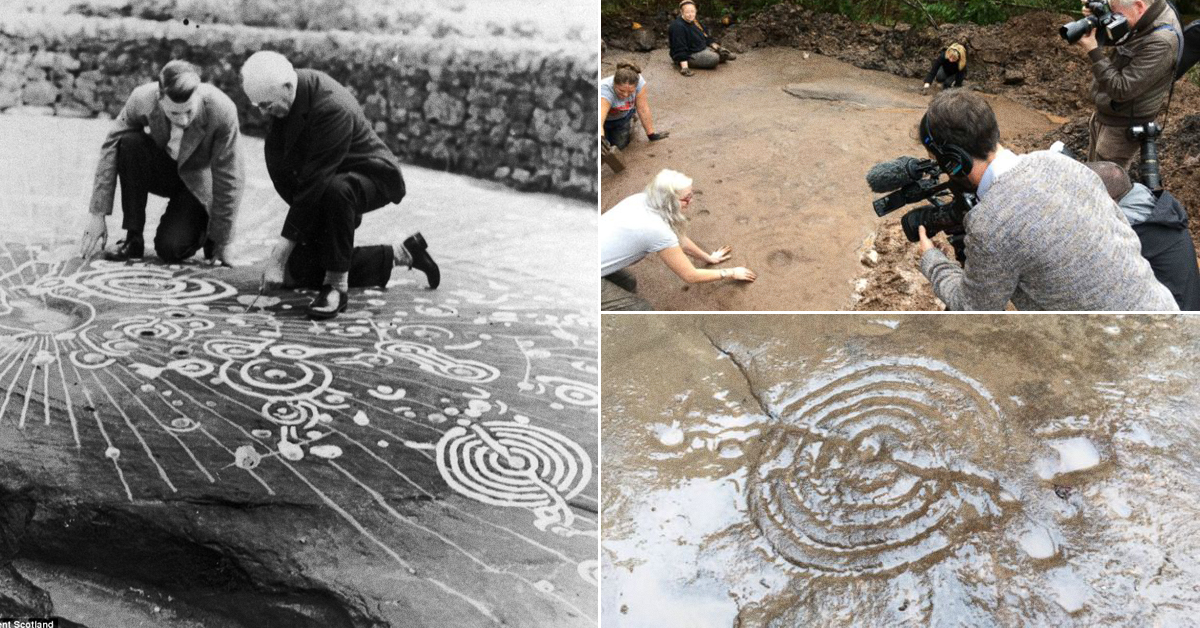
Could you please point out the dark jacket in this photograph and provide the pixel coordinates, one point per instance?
(951, 69)
(1132, 83)
(325, 133)
(1167, 245)
(686, 39)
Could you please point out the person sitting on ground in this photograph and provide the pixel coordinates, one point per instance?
(623, 98)
(330, 167)
(1161, 223)
(176, 137)
(1044, 234)
(652, 222)
(949, 68)
(691, 46)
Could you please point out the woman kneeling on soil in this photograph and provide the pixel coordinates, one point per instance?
(623, 98)
(652, 222)
(949, 68)
(691, 47)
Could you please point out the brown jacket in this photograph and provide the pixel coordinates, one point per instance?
(210, 161)
(1132, 81)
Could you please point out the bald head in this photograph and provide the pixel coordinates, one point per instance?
(1116, 181)
(269, 81)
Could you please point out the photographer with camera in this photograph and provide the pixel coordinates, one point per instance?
(1044, 235)
(1161, 223)
(1131, 84)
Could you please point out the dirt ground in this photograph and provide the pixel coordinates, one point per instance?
(781, 181)
(1022, 60)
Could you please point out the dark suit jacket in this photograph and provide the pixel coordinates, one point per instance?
(325, 133)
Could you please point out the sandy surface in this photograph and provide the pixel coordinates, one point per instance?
(778, 177)
(968, 470)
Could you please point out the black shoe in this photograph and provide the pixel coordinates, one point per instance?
(132, 247)
(420, 260)
(328, 304)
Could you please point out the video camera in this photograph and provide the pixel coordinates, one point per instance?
(1148, 135)
(1113, 27)
(913, 181)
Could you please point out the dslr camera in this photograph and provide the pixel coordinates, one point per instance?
(916, 180)
(1110, 27)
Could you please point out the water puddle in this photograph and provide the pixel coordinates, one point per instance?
(982, 470)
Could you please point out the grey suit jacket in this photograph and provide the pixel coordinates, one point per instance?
(210, 160)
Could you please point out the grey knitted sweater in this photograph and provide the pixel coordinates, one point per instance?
(1048, 237)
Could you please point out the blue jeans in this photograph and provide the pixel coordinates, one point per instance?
(618, 131)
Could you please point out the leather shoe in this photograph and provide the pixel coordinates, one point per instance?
(129, 248)
(328, 304)
(419, 259)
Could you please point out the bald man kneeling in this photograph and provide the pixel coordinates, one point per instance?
(326, 161)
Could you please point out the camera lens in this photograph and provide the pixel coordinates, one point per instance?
(911, 222)
(1074, 31)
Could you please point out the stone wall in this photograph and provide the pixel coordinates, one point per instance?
(512, 111)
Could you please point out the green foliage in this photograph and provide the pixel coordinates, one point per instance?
(912, 11)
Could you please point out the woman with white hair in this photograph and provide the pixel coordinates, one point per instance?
(652, 222)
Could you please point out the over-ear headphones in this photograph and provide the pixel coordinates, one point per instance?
(953, 159)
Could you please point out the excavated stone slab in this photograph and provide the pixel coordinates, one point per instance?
(427, 458)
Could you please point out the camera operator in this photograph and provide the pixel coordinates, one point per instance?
(1044, 234)
(1161, 223)
(1132, 83)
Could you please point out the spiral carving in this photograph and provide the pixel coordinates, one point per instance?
(867, 473)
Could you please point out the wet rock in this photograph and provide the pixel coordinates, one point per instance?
(643, 40)
(21, 598)
(18, 596)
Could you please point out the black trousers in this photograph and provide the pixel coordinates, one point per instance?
(143, 169)
(325, 236)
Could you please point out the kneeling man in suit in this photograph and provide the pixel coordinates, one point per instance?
(327, 163)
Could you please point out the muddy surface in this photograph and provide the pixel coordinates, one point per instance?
(778, 142)
(903, 470)
(1022, 59)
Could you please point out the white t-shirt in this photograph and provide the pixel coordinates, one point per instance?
(630, 231)
(620, 107)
